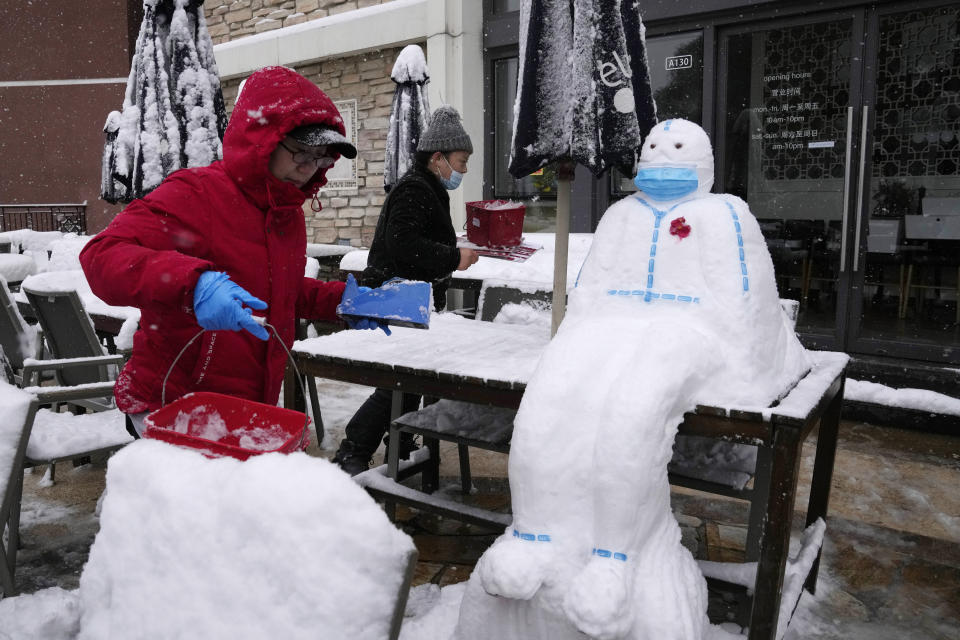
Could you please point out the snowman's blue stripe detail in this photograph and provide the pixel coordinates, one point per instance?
(659, 214)
(666, 125)
(606, 553)
(739, 230)
(540, 537)
(648, 296)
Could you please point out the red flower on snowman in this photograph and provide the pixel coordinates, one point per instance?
(679, 228)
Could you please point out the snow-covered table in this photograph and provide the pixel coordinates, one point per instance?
(329, 257)
(537, 268)
(489, 363)
(14, 267)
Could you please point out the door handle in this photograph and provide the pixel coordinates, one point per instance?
(846, 192)
(860, 189)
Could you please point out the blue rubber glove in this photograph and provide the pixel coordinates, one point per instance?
(218, 304)
(366, 323)
(356, 322)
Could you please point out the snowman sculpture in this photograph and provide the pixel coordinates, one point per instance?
(676, 305)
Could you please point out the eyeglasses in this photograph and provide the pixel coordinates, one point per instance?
(303, 157)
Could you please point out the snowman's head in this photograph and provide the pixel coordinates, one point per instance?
(673, 153)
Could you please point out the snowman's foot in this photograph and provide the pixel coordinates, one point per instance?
(598, 601)
(515, 567)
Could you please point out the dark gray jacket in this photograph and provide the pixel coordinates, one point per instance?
(415, 238)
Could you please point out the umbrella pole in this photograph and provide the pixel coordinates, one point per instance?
(565, 171)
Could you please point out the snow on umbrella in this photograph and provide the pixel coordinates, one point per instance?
(173, 112)
(583, 96)
(408, 114)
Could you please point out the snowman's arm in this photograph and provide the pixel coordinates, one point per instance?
(610, 239)
(739, 265)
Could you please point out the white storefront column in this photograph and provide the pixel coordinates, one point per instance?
(455, 61)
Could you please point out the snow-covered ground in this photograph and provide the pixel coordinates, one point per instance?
(838, 611)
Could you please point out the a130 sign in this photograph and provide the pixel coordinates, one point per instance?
(679, 62)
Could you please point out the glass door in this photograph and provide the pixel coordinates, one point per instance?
(906, 267)
(788, 94)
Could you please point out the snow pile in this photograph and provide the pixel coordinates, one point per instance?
(61, 435)
(15, 267)
(533, 313)
(795, 574)
(320, 250)
(410, 66)
(35, 244)
(432, 612)
(714, 460)
(202, 422)
(28, 240)
(65, 252)
(498, 205)
(50, 614)
(312, 268)
(918, 399)
(277, 546)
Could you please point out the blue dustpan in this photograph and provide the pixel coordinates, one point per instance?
(398, 302)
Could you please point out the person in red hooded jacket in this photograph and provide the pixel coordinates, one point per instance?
(211, 245)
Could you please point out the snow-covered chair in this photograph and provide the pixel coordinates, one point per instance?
(519, 302)
(31, 436)
(282, 546)
(34, 244)
(84, 375)
(18, 339)
(78, 358)
(63, 436)
(16, 416)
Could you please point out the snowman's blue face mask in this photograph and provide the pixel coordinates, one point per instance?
(667, 182)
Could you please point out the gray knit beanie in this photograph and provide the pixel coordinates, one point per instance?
(445, 132)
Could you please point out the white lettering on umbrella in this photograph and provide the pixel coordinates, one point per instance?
(623, 98)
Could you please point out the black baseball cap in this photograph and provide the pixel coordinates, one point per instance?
(317, 135)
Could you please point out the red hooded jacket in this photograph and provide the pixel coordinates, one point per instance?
(231, 216)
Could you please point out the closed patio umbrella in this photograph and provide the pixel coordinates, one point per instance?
(408, 114)
(173, 113)
(583, 97)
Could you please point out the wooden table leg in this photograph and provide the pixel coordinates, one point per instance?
(775, 544)
(393, 450)
(823, 472)
(466, 482)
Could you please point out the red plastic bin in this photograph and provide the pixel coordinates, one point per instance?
(499, 227)
(218, 425)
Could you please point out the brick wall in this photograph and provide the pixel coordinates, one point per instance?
(231, 19)
(351, 215)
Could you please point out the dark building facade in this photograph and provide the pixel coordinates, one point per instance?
(63, 68)
(838, 122)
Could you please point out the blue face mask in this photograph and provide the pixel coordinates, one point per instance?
(666, 183)
(453, 181)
